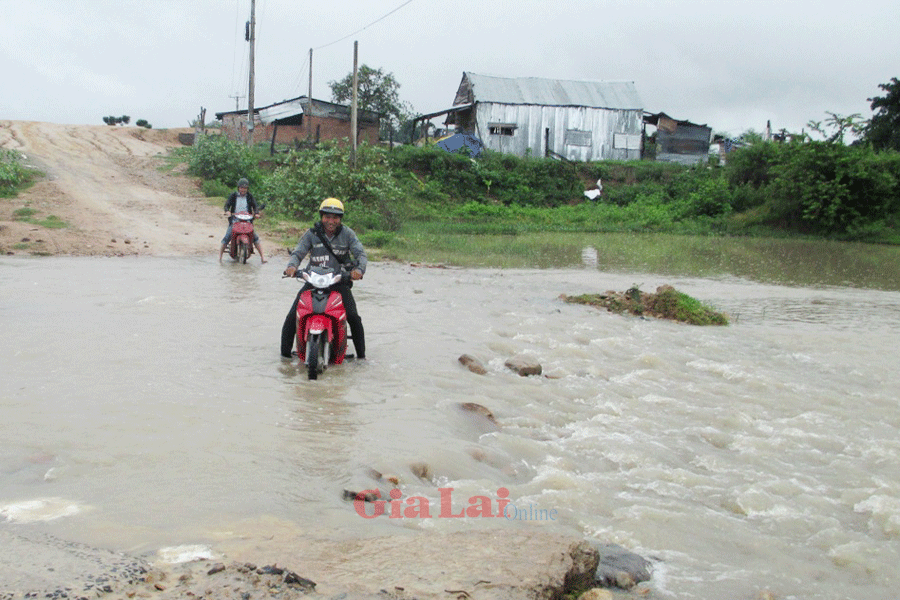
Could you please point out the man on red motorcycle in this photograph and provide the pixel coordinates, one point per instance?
(329, 244)
(240, 201)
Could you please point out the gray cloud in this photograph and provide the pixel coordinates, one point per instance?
(732, 65)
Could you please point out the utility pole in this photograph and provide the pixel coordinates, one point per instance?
(353, 105)
(252, 40)
(309, 100)
(237, 98)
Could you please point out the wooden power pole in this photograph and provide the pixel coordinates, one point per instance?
(353, 133)
(252, 40)
(309, 100)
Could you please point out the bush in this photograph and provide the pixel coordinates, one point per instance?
(834, 189)
(700, 193)
(492, 176)
(376, 239)
(213, 188)
(752, 165)
(215, 157)
(306, 177)
(12, 173)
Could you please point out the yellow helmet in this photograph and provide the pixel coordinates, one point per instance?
(332, 205)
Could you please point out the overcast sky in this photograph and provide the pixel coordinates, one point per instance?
(730, 64)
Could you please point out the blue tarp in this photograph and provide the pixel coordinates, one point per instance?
(456, 141)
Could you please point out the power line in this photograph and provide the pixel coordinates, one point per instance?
(363, 28)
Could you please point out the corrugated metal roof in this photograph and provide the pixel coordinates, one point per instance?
(552, 92)
(284, 110)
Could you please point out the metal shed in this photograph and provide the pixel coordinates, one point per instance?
(677, 141)
(576, 120)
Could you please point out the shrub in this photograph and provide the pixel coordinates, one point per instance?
(12, 173)
(215, 157)
(833, 189)
(701, 194)
(752, 165)
(213, 188)
(376, 239)
(306, 177)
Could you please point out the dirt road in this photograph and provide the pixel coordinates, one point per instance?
(110, 186)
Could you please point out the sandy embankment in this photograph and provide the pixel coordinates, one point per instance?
(110, 185)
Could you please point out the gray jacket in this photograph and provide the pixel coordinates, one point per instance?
(344, 243)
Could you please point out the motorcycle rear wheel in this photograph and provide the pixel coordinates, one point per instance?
(243, 252)
(312, 356)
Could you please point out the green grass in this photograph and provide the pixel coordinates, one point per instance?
(668, 303)
(27, 215)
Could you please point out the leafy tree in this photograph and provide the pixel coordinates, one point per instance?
(836, 126)
(377, 92)
(883, 130)
(123, 120)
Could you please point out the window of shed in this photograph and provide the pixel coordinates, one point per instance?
(502, 128)
(577, 137)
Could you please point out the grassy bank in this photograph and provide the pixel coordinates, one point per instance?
(412, 197)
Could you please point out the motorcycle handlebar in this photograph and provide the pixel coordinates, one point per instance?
(344, 273)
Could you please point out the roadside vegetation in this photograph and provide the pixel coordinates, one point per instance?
(14, 175)
(409, 198)
(30, 215)
(410, 195)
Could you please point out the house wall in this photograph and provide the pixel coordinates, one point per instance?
(235, 128)
(577, 133)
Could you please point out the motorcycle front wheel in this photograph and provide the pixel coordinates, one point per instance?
(312, 356)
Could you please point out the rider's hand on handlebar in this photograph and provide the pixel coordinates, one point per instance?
(356, 274)
(227, 213)
(289, 272)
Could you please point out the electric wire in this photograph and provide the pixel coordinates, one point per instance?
(303, 69)
(364, 28)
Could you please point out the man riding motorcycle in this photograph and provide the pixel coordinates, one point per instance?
(329, 244)
(240, 201)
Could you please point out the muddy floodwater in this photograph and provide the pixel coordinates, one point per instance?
(144, 405)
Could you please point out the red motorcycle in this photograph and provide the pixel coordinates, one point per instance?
(241, 245)
(321, 321)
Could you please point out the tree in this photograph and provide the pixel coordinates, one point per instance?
(377, 92)
(123, 120)
(883, 131)
(839, 126)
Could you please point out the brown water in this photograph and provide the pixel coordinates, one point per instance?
(143, 405)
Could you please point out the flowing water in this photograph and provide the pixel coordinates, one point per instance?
(143, 404)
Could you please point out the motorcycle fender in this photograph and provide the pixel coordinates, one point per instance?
(318, 324)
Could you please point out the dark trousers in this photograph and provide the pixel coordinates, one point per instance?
(289, 329)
